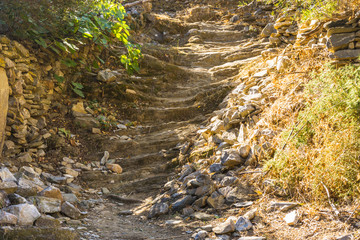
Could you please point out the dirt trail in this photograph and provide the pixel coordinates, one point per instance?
(191, 81)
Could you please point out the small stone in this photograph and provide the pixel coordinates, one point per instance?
(207, 228)
(104, 158)
(27, 188)
(7, 218)
(51, 192)
(25, 213)
(283, 63)
(29, 172)
(46, 221)
(6, 175)
(282, 206)
(268, 30)
(173, 222)
(261, 74)
(231, 158)
(96, 130)
(70, 171)
(116, 168)
(4, 200)
(244, 151)
(70, 197)
(201, 235)
(158, 209)
(227, 227)
(126, 212)
(216, 200)
(47, 205)
(203, 216)
(291, 218)
(105, 191)
(243, 224)
(215, 168)
(70, 210)
(187, 211)
(78, 110)
(53, 179)
(345, 237)
(16, 199)
(107, 75)
(25, 158)
(182, 203)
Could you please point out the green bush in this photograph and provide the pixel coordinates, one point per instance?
(324, 148)
(63, 25)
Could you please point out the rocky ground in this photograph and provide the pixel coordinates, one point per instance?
(175, 151)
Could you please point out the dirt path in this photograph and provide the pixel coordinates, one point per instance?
(191, 81)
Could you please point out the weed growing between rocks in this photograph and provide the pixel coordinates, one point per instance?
(322, 150)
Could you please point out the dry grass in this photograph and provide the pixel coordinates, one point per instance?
(322, 140)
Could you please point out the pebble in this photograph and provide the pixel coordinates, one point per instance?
(291, 218)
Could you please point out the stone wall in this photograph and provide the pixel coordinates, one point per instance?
(29, 100)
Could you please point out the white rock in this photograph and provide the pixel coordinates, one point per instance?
(6, 175)
(25, 213)
(291, 218)
(7, 218)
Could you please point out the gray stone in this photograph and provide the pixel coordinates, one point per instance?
(4, 200)
(182, 203)
(344, 29)
(70, 197)
(340, 41)
(7, 218)
(158, 209)
(227, 227)
(6, 175)
(345, 54)
(107, 75)
(244, 151)
(104, 158)
(268, 30)
(87, 122)
(201, 235)
(53, 179)
(243, 224)
(27, 188)
(228, 181)
(25, 213)
(47, 205)
(25, 158)
(51, 192)
(16, 199)
(229, 137)
(29, 172)
(203, 216)
(231, 158)
(70, 210)
(215, 168)
(46, 221)
(282, 206)
(215, 200)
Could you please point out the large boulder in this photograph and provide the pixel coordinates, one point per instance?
(4, 98)
(26, 213)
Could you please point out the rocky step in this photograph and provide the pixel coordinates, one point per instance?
(218, 36)
(126, 182)
(165, 114)
(145, 159)
(144, 144)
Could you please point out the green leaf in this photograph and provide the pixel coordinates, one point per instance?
(68, 62)
(77, 85)
(78, 92)
(60, 79)
(41, 42)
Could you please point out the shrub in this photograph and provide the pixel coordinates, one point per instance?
(324, 148)
(63, 25)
